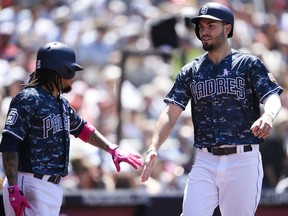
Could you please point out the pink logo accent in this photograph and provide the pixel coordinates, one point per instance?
(225, 72)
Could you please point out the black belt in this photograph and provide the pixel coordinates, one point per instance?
(55, 179)
(227, 150)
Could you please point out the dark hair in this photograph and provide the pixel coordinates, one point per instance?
(43, 77)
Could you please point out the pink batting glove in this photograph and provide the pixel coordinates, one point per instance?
(18, 200)
(119, 155)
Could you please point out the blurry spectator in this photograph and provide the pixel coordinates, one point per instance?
(68, 30)
(89, 175)
(15, 77)
(124, 180)
(273, 150)
(75, 97)
(8, 49)
(131, 122)
(32, 28)
(94, 45)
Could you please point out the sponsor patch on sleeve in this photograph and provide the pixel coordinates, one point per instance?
(12, 117)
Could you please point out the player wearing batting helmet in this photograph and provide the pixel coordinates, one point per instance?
(35, 141)
(225, 88)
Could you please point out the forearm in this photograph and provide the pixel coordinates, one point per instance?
(161, 133)
(90, 135)
(98, 140)
(10, 164)
(165, 124)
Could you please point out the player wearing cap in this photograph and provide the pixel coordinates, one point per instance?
(225, 87)
(35, 142)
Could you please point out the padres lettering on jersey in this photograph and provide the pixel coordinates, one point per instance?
(207, 85)
(219, 86)
(53, 123)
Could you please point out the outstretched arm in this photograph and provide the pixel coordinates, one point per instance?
(98, 140)
(92, 136)
(164, 125)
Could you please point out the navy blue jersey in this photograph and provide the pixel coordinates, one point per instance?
(224, 98)
(37, 119)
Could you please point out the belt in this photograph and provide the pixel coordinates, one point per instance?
(55, 179)
(228, 150)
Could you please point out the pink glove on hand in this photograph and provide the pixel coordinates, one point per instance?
(119, 155)
(18, 200)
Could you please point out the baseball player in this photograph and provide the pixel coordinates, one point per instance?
(225, 87)
(35, 141)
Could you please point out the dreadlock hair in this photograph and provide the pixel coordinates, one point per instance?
(44, 77)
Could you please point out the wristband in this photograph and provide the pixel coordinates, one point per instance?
(86, 131)
(151, 150)
(271, 115)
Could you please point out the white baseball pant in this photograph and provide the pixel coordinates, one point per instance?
(45, 198)
(233, 181)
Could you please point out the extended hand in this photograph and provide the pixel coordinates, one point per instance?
(119, 155)
(262, 127)
(18, 200)
(148, 165)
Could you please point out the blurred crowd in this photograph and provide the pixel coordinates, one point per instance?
(128, 69)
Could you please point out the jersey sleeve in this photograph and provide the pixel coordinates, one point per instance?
(76, 122)
(264, 83)
(21, 110)
(180, 93)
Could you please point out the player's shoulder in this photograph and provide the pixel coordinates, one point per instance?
(31, 95)
(243, 54)
(195, 63)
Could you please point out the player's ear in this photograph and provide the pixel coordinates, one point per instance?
(227, 28)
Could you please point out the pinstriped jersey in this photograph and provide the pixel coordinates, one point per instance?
(225, 98)
(42, 123)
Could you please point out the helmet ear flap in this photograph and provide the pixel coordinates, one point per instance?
(69, 73)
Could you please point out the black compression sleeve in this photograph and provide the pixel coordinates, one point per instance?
(9, 143)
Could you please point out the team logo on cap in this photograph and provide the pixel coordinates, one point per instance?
(12, 117)
(204, 9)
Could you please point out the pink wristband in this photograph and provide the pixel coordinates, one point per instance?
(86, 131)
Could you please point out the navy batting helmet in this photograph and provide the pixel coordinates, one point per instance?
(58, 57)
(215, 11)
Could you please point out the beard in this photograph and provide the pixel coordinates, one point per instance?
(66, 89)
(209, 47)
(219, 40)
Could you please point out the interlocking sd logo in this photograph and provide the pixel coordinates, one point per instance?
(12, 117)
